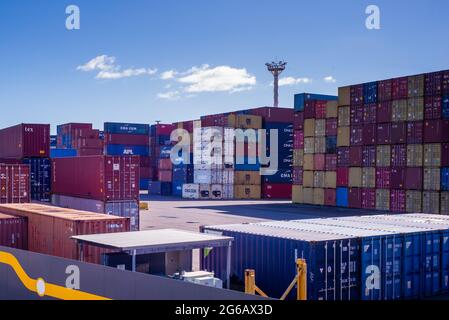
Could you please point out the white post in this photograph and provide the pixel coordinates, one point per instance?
(228, 266)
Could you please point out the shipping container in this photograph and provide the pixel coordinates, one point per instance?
(370, 91)
(25, 140)
(383, 178)
(105, 178)
(369, 156)
(370, 113)
(399, 88)
(415, 155)
(343, 137)
(433, 84)
(415, 132)
(319, 161)
(399, 110)
(342, 197)
(383, 199)
(414, 201)
(355, 177)
(384, 112)
(126, 128)
(14, 183)
(191, 191)
(414, 178)
(280, 176)
(398, 133)
(127, 139)
(355, 156)
(431, 202)
(343, 157)
(271, 114)
(40, 178)
(356, 138)
(276, 191)
(399, 155)
(431, 179)
(356, 115)
(357, 95)
(368, 177)
(398, 200)
(159, 188)
(247, 192)
(415, 109)
(302, 98)
(126, 150)
(384, 133)
(342, 177)
(385, 90)
(369, 199)
(330, 197)
(416, 86)
(331, 162)
(344, 96)
(344, 116)
(444, 203)
(383, 157)
(433, 107)
(432, 155)
(63, 153)
(13, 232)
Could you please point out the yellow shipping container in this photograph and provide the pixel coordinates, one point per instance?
(318, 196)
(355, 177)
(298, 157)
(332, 109)
(297, 194)
(343, 138)
(308, 195)
(308, 162)
(308, 179)
(330, 180)
(309, 127)
(247, 192)
(344, 96)
(247, 177)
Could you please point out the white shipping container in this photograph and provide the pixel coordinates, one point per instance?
(204, 191)
(216, 191)
(228, 191)
(228, 176)
(191, 191)
(208, 176)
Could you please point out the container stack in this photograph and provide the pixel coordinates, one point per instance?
(101, 184)
(77, 139)
(315, 149)
(14, 182)
(182, 173)
(29, 144)
(130, 139)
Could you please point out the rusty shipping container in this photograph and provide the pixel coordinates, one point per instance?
(105, 178)
(50, 229)
(25, 140)
(13, 232)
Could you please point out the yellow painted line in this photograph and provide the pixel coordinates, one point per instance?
(45, 289)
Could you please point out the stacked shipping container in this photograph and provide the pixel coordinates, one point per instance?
(13, 232)
(77, 139)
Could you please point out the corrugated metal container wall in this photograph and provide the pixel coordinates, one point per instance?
(126, 128)
(40, 178)
(13, 232)
(14, 183)
(25, 140)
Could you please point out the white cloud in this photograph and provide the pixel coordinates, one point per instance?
(170, 74)
(291, 81)
(170, 95)
(107, 69)
(221, 78)
(330, 79)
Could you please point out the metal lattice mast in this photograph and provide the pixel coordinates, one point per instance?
(276, 69)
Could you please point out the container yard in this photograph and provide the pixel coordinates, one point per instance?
(222, 161)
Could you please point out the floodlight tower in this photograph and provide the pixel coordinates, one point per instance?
(276, 69)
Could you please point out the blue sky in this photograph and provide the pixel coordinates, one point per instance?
(216, 51)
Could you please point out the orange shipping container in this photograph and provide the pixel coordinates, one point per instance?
(309, 127)
(343, 138)
(355, 177)
(297, 194)
(308, 162)
(332, 109)
(344, 96)
(247, 192)
(247, 177)
(318, 196)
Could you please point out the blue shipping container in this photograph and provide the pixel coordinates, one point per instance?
(300, 99)
(126, 128)
(63, 153)
(126, 209)
(159, 188)
(280, 176)
(40, 178)
(246, 163)
(177, 189)
(445, 179)
(331, 144)
(342, 197)
(120, 149)
(144, 184)
(446, 107)
(370, 92)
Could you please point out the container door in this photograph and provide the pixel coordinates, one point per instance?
(372, 283)
(445, 262)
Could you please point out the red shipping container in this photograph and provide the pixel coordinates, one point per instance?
(14, 183)
(165, 175)
(330, 197)
(355, 156)
(433, 131)
(319, 162)
(414, 178)
(433, 84)
(445, 85)
(331, 162)
(50, 229)
(298, 175)
(356, 138)
(331, 127)
(277, 191)
(357, 115)
(370, 113)
(355, 198)
(397, 180)
(342, 177)
(369, 134)
(145, 173)
(83, 152)
(25, 140)
(145, 161)
(298, 121)
(164, 129)
(13, 232)
(383, 178)
(433, 107)
(271, 114)
(356, 92)
(399, 155)
(398, 201)
(104, 178)
(369, 154)
(415, 132)
(298, 139)
(398, 132)
(165, 164)
(127, 139)
(384, 111)
(343, 157)
(399, 88)
(369, 199)
(320, 109)
(309, 109)
(445, 155)
(385, 90)
(384, 133)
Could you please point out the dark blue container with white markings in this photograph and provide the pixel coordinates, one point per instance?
(40, 178)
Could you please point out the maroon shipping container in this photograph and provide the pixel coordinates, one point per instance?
(414, 178)
(369, 199)
(25, 141)
(445, 131)
(145, 173)
(319, 162)
(13, 232)
(165, 164)
(433, 131)
(83, 152)
(298, 139)
(357, 115)
(330, 197)
(105, 178)
(398, 200)
(186, 125)
(356, 138)
(369, 134)
(383, 178)
(355, 156)
(433, 107)
(398, 132)
(298, 175)
(165, 175)
(14, 183)
(270, 114)
(433, 84)
(277, 191)
(298, 121)
(369, 156)
(145, 161)
(399, 88)
(127, 139)
(399, 155)
(415, 132)
(343, 157)
(331, 162)
(309, 109)
(370, 113)
(331, 127)
(164, 129)
(320, 109)
(356, 95)
(385, 90)
(397, 180)
(445, 155)
(355, 198)
(342, 177)
(445, 85)
(384, 133)
(384, 111)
